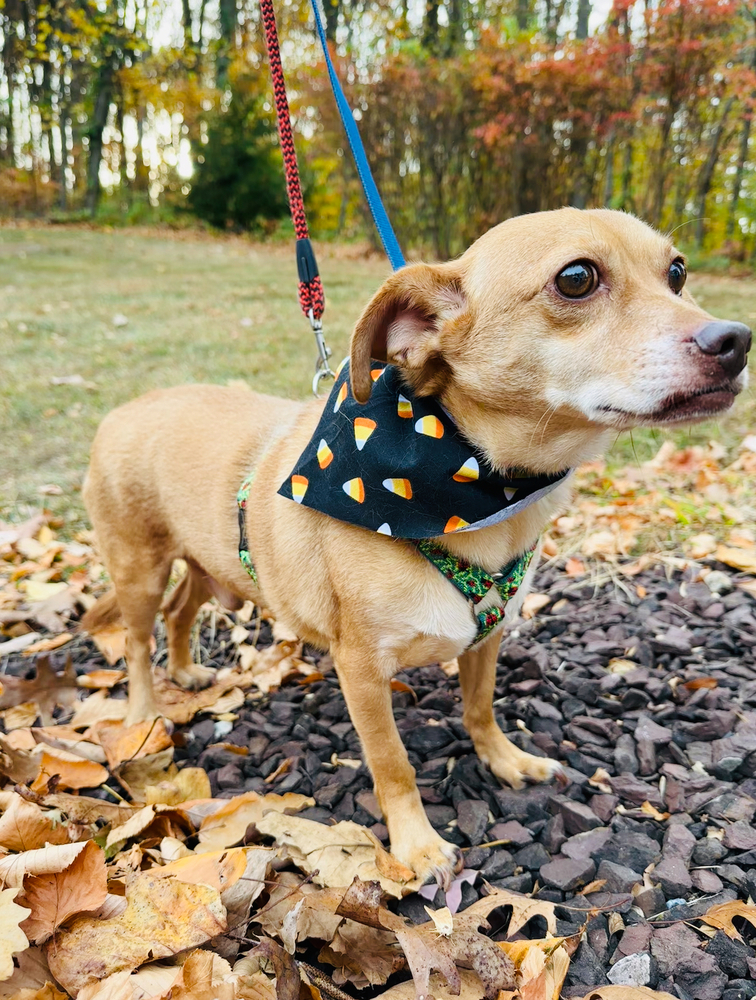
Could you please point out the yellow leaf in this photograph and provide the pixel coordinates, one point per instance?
(721, 916)
(71, 770)
(12, 938)
(162, 918)
(744, 559)
(228, 825)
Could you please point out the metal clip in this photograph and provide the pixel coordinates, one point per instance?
(322, 368)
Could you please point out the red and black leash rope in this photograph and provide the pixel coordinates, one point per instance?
(311, 294)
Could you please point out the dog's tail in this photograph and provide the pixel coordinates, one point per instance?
(104, 613)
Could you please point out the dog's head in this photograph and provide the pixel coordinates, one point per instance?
(551, 329)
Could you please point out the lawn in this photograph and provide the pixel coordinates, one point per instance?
(120, 312)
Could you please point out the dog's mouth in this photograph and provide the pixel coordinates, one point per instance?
(684, 407)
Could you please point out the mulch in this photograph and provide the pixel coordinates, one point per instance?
(644, 689)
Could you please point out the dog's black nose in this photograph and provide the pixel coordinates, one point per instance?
(729, 343)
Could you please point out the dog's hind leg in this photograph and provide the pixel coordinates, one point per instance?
(477, 675)
(139, 590)
(414, 842)
(180, 610)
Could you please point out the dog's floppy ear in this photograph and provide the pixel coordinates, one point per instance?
(403, 321)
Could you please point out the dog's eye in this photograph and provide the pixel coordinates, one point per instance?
(578, 280)
(676, 276)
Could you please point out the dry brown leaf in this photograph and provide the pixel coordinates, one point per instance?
(523, 909)
(122, 743)
(469, 989)
(69, 770)
(180, 706)
(18, 764)
(238, 899)
(153, 981)
(96, 708)
(365, 956)
(749, 586)
(721, 916)
(110, 639)
(24, 826)
(32, 974)
(97, 679)
(163, 917)
(574, 567)
(41, 861)
(21, 716)
(12, 938)
(188, 784)
(228, 825)
(47, 689)
(340, 853)
(142, 819)
(137, 776)
(743, 559)
(220, 870)
(318, 920)
(542, 975)
(87, 810)
(47, 645)
(534, 603)
(56, 897)
(46, 992)
(700, 682)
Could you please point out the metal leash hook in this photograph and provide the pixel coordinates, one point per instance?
(322, 368)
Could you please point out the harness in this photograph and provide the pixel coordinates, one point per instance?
(473, 582)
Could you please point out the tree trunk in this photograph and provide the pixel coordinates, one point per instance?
(227, 43)
(707, 173)
(626, 198)
(96, 128)
(609, 172)
(430, 27)
(745, 135)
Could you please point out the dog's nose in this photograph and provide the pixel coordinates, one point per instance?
(729, 343)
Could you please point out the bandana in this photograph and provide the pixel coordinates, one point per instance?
(399, 465)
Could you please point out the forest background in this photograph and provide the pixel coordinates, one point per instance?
(471, 111)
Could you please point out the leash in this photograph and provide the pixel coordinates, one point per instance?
(311, 294)
(380, 217)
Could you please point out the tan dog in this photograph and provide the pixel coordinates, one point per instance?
(551, 333)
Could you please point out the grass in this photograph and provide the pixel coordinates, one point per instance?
(198, 308)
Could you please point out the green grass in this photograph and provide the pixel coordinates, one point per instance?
(199, 309)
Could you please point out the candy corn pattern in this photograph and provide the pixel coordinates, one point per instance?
(430, 426)
(325, 455)
(467, 473)
(355, 489)
(397, 464)
(454, 524)
(404, 407)
(363, 428)
(401, 487)
(340, 398)
(299, 486)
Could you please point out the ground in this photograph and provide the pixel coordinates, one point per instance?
(114, 313)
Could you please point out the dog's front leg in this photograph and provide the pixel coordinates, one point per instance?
(477, 675)
(367, 691)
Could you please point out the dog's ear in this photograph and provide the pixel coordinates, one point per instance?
(403, 321)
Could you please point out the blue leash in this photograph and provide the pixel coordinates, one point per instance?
(381, 219)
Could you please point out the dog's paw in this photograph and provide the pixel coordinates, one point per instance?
(433, 860)
(517, 768)
(193, 676)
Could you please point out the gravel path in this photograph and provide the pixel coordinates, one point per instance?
(645, 688)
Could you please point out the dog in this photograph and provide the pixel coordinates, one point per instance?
(550, 334)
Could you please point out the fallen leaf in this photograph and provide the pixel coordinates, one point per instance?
(97, 708)
(87, 810)
(42, 861)
(534, 603)
(743, 559)
(70, 770)
(163, 917)
(523, 909)
(700, 682)
(221, 870)
(365, 956)
(542, 976)
(32, 974)
(56, 897)
(721, 916)
(24, 827)
(20, 716)
(47, 645)
(141, 820)
(188, 784)
(142, 773)
(438, 988)
(228, 825)
(48, 689)
(12, 938)
(335, 854)
(574, 567)
(97, 679)
(122, 743)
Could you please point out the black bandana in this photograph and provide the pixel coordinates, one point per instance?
(398, 465)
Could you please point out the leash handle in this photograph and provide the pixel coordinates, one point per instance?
(380, 216)
(311, 293)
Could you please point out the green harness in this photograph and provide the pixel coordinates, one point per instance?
(471, 581)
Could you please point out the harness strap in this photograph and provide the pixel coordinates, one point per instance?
(474, 583)
(241, 501)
